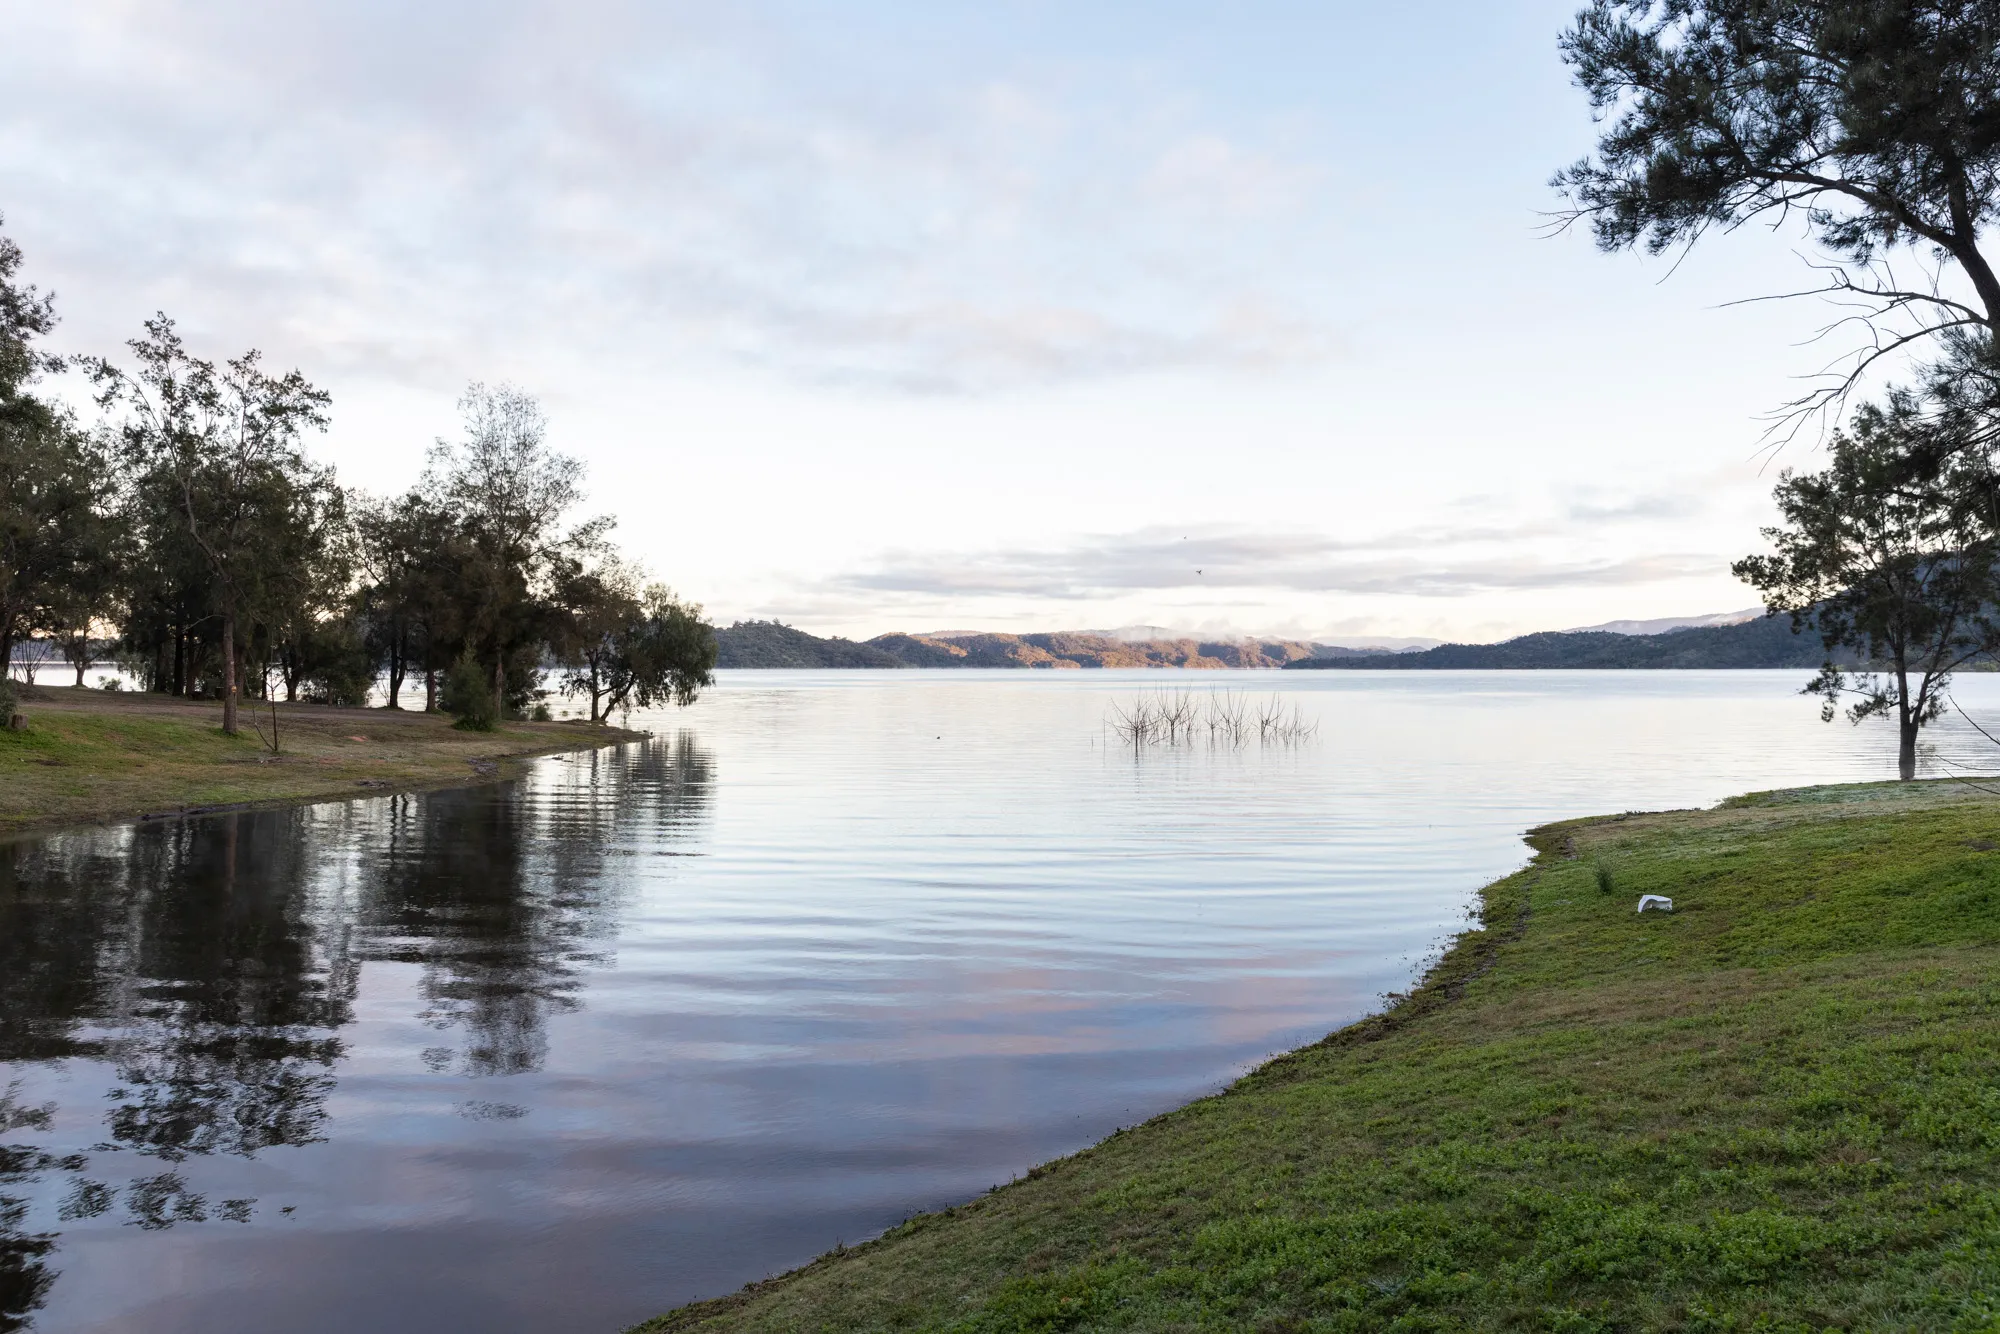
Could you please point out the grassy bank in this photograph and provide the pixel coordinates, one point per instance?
(90, 756)
(1776, 1109)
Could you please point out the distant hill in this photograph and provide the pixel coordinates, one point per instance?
(1141, 634)
(769, 644)
(1661, 625)
(1764, 642)
(1066, 650)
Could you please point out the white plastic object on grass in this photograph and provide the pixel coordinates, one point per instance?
(1660, 901)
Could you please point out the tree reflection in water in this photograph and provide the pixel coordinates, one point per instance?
(24, 1273)
(206, 967)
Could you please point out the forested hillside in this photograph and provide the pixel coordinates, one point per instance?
(1073, 649)
(770, 644)
(1764, 642)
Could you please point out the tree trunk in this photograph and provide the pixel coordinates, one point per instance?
(430, 690)
(83, 661)
(499, 685)
(1906, 750)
(180, 659)
(398, 664)
(228, 669)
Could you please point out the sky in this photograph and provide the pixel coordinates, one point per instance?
(1237, 318)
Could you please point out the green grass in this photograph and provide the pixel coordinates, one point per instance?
(1776, 1109)
(88, 756)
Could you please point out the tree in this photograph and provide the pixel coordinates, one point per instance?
(1875, 122)
(1889, 560)
(325, 659)
(54, 543)
(304, 598)
(89, 591)
(623, 647)
(508, 495)
(53, 481)
(227, 438)
(599, 609)
(410, 550)
(169, 615)
(673, 654)
(26, 313)
(468, 696)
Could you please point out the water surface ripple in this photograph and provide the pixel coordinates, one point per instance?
(832, 948)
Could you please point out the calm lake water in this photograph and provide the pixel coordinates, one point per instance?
(832, 948)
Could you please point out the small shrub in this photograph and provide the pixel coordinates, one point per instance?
(1604, 885)
(9, 698)
(111, 683)
(542, 714)
(468, 697)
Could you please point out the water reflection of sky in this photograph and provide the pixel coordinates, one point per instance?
(657, 1021)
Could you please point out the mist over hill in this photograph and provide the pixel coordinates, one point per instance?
(1660, 625)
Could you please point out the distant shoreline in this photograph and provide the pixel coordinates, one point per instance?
(1764, 642)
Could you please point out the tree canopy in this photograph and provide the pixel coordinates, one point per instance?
(1876, 123)
(194, 529)
(227, 440)
(627, 647)
(52, 478)
(1896, 565)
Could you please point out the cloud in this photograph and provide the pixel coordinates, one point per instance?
(1423, 563)
(1656, 506)
(423, 191)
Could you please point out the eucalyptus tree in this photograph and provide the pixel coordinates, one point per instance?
(410, 550)
(227, 439)
(304, 600)
(509, 497)
(1893, 562)
(55, 545)
(1874, 125)
(26, 314)
(169, 614)
(94, 583)
(53, 481)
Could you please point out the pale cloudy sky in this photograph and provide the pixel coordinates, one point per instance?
(877, 316)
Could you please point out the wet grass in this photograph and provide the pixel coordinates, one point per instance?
(1776, 1109)
(90, 756)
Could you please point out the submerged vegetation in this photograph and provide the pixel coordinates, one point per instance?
(1772, 1109)
(1221, 718)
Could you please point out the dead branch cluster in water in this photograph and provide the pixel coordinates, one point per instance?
(1226, 718)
